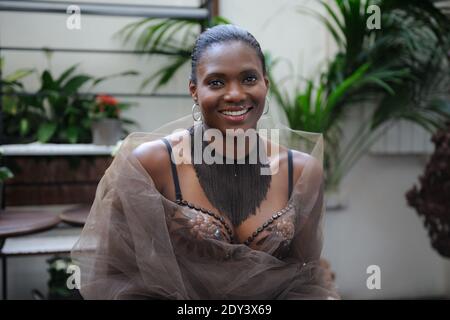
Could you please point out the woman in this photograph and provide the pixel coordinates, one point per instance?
(166, 229)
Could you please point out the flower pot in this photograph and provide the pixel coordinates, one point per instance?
(335, 200)
(106, 132)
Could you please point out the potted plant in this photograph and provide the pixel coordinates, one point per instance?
(58, 112)
(107, 120)
(67, 110)
(411, 84)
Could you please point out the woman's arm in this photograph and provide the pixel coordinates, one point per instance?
(154, 157)
(306, 247)
(124, 246)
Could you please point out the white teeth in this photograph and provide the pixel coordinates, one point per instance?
(235, 113)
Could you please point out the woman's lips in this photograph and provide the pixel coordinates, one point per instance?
(234, 115)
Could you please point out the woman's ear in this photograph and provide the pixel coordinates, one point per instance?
(193, 90)
(267, 82)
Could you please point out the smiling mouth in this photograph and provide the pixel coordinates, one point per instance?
(236, 113)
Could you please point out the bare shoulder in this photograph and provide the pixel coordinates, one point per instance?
(154, 157)
(151, 153)
(301, 161)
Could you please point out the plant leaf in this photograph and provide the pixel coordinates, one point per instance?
(75, 83)
(46, 131)
(66, 74)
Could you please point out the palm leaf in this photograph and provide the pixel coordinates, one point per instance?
(165, 74)
(115, 75)
(128, 31)
(159, 36)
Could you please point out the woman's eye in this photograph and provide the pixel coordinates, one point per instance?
(215, 83)
(250, 79)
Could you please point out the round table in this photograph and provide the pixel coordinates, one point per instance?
(19, 223)
(76, 216)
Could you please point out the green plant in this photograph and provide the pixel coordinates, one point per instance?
(172, 37)
(20, 120)
(67, 111)
(313, 108)
(57, 112)
(57, 284)
(5, 173)
(395, 70)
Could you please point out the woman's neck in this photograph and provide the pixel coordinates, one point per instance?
(234, 144)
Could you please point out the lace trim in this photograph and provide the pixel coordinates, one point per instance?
(274, 217)
(210, 213)
(229, 230)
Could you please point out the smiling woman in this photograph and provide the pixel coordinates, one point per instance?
(162, 229)
(229, 80)
(231, 94)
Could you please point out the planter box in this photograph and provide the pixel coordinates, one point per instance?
(53, 180)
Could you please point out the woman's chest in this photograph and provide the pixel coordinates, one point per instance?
(193, 226)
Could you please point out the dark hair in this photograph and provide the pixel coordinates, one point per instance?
(220, 34)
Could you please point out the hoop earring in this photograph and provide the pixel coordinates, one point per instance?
(194, 113)
(268, 106)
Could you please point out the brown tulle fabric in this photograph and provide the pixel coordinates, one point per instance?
(137, 244)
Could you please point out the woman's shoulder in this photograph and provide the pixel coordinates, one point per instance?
(154, 156)
(307, 167)
(300, 161)
(151, 154)
(157, 149)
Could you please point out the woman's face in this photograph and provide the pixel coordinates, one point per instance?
(231, 88)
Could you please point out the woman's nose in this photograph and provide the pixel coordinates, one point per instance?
(235, 93)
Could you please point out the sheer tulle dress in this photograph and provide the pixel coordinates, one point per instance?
(137, 244)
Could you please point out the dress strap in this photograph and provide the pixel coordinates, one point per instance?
(178, 195)
(290, 172)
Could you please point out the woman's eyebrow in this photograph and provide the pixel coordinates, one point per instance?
(250, 70)
(223, 75)
(215, 74)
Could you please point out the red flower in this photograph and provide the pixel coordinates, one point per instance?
(107, 100)
(107, 107)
